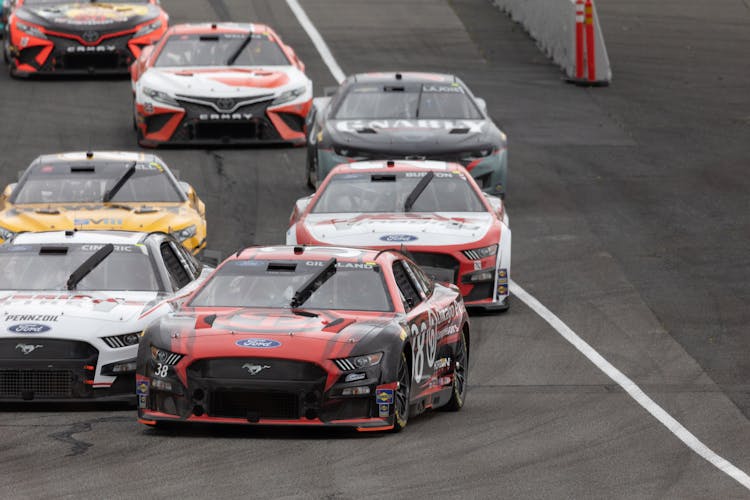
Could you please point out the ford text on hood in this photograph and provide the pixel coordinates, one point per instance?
(47, 37)
(307, 336)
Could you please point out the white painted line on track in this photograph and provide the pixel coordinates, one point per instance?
(317, 40)
(564, 330)
(630, 387)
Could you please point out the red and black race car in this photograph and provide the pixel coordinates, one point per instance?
(307, 336)
(59, 36)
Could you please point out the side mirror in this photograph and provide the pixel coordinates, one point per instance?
(6, 194)
(482, 104)
(146, 52)
(497, 206)
(211, 258)
(299, 208)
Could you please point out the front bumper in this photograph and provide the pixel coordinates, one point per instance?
(218, 391)
(490, 172)
(60, 370)
(191, 123)
(66, 54)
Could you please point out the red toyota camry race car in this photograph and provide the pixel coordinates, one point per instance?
(307, 336)
(222, 83)
(434, 209)
(60, 36)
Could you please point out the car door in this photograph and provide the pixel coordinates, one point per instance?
(421, 325)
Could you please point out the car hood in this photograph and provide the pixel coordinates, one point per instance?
(228, 81)
(152, 217)
(412, 136)
(270, 332)
(84, 16)
(388, 230)
(56, 313)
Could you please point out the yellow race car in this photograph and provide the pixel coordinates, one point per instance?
(103, 190)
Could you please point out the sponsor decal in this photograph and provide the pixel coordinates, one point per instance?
(141, 388)
(474, 126)
(29, 328)
(502, 289)
(118, 248)
(442, 363)
(224, 116)
(258, 343)
(398, 238)
(31, 317)
(82, 49)
(384, 410)
(344, 265)
(103, 220)
(141, 401)
(254, 369)
(477, 265)
(384, 396)
(82, 15)
(27, 349)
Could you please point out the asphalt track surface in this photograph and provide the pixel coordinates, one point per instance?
(631, 220)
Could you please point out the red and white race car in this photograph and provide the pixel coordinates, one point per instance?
(217, 84)
(454, 231)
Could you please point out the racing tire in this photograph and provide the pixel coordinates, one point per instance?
(6, 49)
(401, 396)
(460, 375)
(312, 168)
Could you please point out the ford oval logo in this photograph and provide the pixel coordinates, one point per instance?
(29, 328)
(398, 238)
(258, 343)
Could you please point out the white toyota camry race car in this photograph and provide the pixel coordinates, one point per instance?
(219, 84)
(73, 305)
(434, 210)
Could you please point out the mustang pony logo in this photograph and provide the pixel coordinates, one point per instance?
(28, 348)
(254, 369)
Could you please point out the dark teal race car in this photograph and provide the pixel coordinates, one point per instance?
(413, 116)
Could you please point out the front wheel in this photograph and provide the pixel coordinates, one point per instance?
(401, 402)
(460, 374)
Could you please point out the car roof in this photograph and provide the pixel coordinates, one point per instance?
(79, 237)
(84, 156)
(398, 166)
(207, 28)
(315, 253)
(403, 77)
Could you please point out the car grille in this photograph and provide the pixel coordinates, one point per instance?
(62, 59)
(47, 383)
(251, 369)
(481, 291)
(196, 124)
(438, 266)
(45, 349)
(254, 405)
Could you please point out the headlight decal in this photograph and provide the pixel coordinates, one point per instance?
(185, 233)
(481, 253)
(358, 362)
(159, 96)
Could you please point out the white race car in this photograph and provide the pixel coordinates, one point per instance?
(435, 210)
(223, 83)
(73, 305)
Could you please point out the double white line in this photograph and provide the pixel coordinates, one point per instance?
(564, 330)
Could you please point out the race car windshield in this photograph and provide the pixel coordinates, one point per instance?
(89, 183)
(388, 193)
(272, 284)
(217, 49)
(413, 101)
(49, 267)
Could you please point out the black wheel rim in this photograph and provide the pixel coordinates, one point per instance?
(459, 372)
(402, 392)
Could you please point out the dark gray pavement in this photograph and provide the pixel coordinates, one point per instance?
(629, 207)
